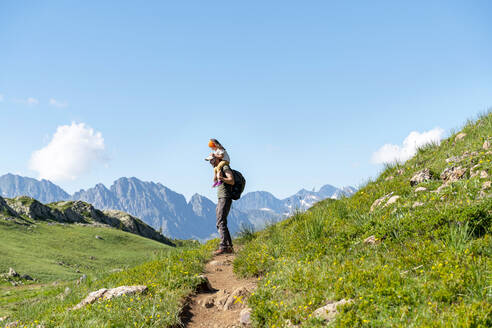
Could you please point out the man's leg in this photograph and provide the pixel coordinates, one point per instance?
(223, 208)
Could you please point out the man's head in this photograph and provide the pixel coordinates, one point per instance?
(214, 161)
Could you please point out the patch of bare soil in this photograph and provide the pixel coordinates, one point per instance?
(220, 307)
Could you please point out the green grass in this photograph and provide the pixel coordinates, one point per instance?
(170, 277)
(38, 249)
(431, 265)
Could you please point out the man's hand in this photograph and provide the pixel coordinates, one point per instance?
(229, 177)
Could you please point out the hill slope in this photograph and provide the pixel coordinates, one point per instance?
(410, 249)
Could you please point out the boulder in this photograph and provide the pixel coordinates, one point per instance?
(329, 311)
(452, 174)
(245, 316)
(392, 200)
(12, 273)
(379, 201)
(204, 285)
(26, 277)
(460, 136)
(421, 176)
(237, 299)
(371, 240)
(106, 294)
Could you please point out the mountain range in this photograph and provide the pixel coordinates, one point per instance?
(168, 211)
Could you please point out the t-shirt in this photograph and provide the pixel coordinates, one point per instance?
(224, 190)
(222, 152)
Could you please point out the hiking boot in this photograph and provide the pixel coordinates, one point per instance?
(227, 250)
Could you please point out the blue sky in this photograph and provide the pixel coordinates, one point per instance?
(301, 93)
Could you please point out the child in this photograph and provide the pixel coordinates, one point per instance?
(220, 153)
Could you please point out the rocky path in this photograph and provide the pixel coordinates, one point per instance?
(222, 306)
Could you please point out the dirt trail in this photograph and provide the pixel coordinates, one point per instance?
(220, 308)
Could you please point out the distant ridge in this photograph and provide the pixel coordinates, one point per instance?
(168, 211)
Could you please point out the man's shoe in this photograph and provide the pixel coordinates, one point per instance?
(220, 251)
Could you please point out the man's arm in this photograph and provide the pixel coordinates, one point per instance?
(229, 177)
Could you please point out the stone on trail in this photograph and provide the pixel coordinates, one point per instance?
(329, 311)
(237, 299)
(204, 285)
(421, 176)
(106, 294)
(245, 316)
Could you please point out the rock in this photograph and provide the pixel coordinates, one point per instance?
(67, 291)
(245, 316)
(421, 176)
(92, 258)
(486, 145)
(484, 174)
(12, 273)
(204, 285)
(452, 174)
(12, 324)
(207, 302)
(392, 200)
(370, 240)
(389, 178)
(214, 263)
(441, 187)
(486, 185)
(3, 318)
(379, 201)
(237, 299)
(453, 159)
(329, 311)
(418, 189)
(110, 293)
(27, 277)
(99, 237)
(221, 298)
(459, 136)
(400, 171)
(417, 204)
(81, 279)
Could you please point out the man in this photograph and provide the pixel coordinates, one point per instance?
(223, 207)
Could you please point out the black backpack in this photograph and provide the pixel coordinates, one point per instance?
(239, 184)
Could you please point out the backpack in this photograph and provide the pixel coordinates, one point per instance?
(239, 184)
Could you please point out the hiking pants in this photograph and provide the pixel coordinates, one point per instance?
(223, 208)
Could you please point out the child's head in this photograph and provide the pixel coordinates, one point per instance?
(214, 143)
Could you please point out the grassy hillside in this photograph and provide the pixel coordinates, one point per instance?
(428, 264)
(55, 252)
(56, 255)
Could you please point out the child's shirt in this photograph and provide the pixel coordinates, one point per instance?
(222, 153)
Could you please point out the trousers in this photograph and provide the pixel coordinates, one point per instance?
(222, 210)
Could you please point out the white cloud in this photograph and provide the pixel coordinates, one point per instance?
(58, 103)
(390, 153)
(72, 152)
(29, 101)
